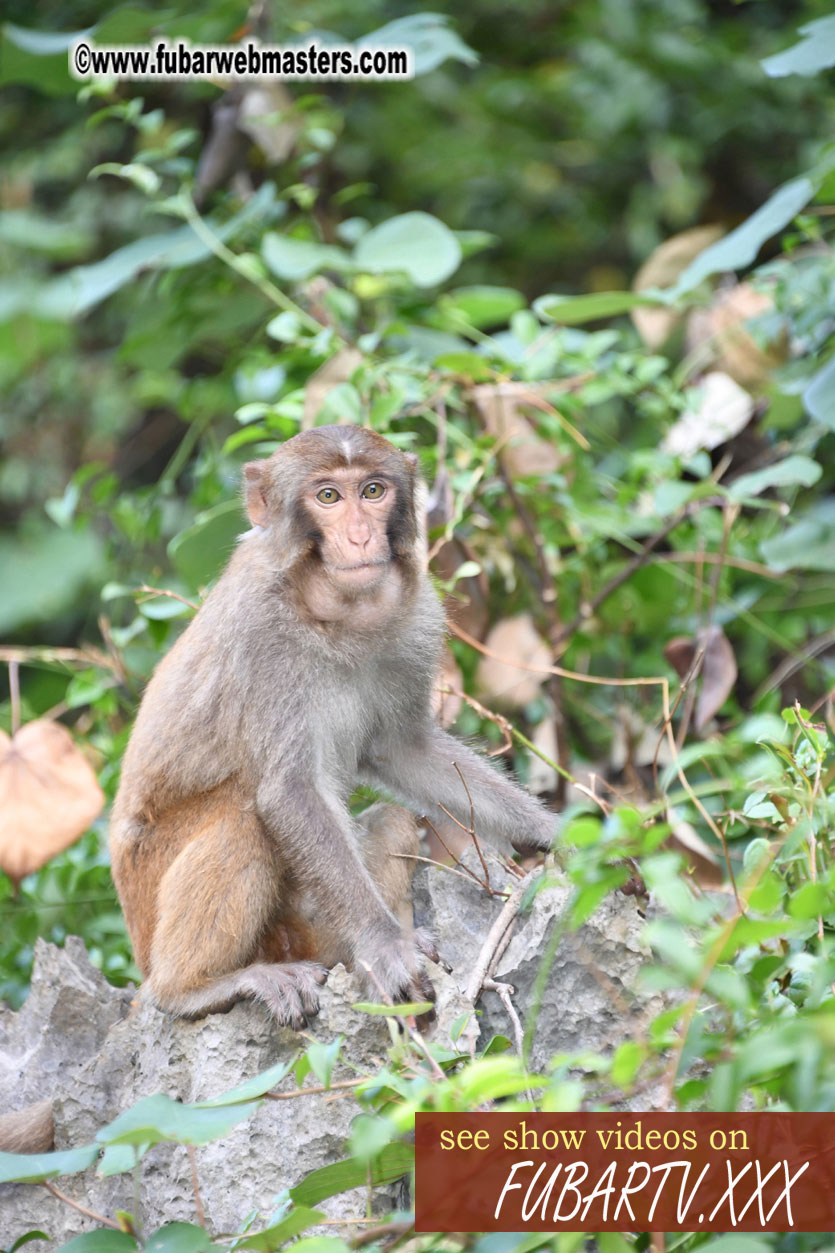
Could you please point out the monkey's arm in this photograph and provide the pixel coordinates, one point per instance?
(420, 770)
(317, 842)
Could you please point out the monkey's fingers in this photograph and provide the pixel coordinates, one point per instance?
(424, 943)
(291, 991)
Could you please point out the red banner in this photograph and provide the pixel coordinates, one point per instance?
(625, 1172)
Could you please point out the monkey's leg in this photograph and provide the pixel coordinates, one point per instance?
(215, 903)
(390, 844)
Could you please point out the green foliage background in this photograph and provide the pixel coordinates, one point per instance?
(147, 349)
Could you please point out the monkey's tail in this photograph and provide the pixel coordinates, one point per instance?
(29, 1130)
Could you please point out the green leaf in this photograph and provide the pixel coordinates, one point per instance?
(819, 396)
(295, 259)
(470, 364)
(118, 1159)
(252, 1089)
(42, 575)
(322, 1058)
(393, 1011)
(27, 1239)
(38, 58)
(415, 243)
(179, 1238)
(101, 1241)
(35, 1167)
(813, 53)
(794, 471)
(736, 1242)
(430, 37)
(571, 310)
(808, 545)
(395, 1160)
(482, 306)
(810, 900)
(271, 1238)
(157, 1118)
(202, 549)
(741, 246)
(142, 177)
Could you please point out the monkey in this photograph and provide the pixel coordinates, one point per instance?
(306, 672)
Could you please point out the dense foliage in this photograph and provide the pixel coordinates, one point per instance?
(647, 473)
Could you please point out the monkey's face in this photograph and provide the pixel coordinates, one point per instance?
(349, 510)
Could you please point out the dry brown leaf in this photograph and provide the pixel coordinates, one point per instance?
(661, 269)
(721, 329)
(49, 795)
(718, 676)
(523, 452)
(337, 369)
(680, 652)
(505, 684)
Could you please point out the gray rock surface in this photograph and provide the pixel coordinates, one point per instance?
(96, 1050)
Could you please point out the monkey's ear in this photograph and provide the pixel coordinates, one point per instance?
(256, 497)
(412, 460)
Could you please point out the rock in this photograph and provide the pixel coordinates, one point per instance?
(96, 1050)
(590, 995)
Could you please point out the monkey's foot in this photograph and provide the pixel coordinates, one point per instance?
(290, 991)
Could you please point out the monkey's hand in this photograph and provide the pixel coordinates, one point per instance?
(290, 991)
(391, 964)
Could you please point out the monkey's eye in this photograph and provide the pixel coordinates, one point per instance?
(328, 496)
(373, 491)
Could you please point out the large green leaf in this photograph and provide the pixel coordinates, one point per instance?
(101, 1241)
(252, 1089)
(35, 1167)
(416, 243)
(395, 1160)
(294, 259)
(38, 58)
(819, 396)
(571, 310)
(179, 1238)
(201, 551)
(741, 246)
(794, 471)
(813, 53)
(158, 1118)
(298, 1220)
(43, 575)
(807, 545)
(78, 290)
(429, 37)
(482, 306)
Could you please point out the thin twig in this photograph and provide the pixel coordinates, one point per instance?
(464, 873)
(163, 591)
(14, 695)
(503, 991)
(82, 1209)
(198, 1201)
(288, 1096)
(488, 949)
(380, 1232)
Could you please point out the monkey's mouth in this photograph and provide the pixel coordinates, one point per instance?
(362, 572)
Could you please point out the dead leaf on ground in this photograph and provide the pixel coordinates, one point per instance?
(503, 683)
(661, 269)
(49, 795)
(523, 452)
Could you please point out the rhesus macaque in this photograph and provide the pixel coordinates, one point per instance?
(306, 672)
